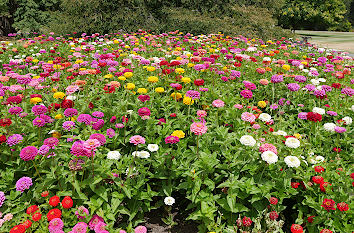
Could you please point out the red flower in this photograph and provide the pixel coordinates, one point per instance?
(45, 194)
(163, 63)
(36, 95)
(342, 206)
(319, 169)
(336, 85)
(27, 224)
(2, 139)
(328, 204)
(14, 99)
(295, 185)
(67, 104)
(18, 229)
(273, 215)
(246, 221)
(296, 228)
(67, 202)
(199, 82)
(326, 231)
(5, 122)
(175, 115)
(310, 219)
(318, 179)
(273, 200)
(54, 201)
(337, 149)
(36, 216)
(352, 175)
(91, 106)
(32, 209)
(54, 213)
(311, 116)
(324, 185)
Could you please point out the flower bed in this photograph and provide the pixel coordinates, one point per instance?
(238, 134)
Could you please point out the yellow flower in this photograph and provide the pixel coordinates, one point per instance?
(56, 66)
(59, 116)
(190, 65)
(82, 69)
(59, 95)
(128, 74)
(54, 90)
(108, 76)
(36, 77)
(130, 86)
(262, 104)
(56, 134)
(116, 41)
(304, 63)
(153, 79)
(178, 133)
(122, 78)
(142, 90)
(35, 60)
(179, 70)
(176, 96)
(159, 89)
(298, 136)
(79, 61)
(286, 67)
(185, 80)
(150, 68)
(35, 100)
(50, 62)
(188, 100)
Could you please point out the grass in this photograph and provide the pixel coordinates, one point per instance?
(335, 40)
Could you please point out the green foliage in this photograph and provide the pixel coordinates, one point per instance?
(315, 15)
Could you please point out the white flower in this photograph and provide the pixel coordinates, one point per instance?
(270, 157)
(267, 59)
(315, 82)
(135, 153)
(301, 67)
(319, 159)
(130, 111)
(280, 132)
(352, 107)
(292, 142)
(143, 154)
(292, 161)
(319, 110)
(113, 155)
(329, 127)
(305, 70)
(71, 97)
(265, 117)
(322, 80)
(247, 140)
(52, 131)
(169, 201)
(153, 147)
(347, 120)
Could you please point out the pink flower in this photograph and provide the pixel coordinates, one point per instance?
(238, 106)
(140, 229)
(136, 140)
(202, 113)
(268, 147)
(218, 103)
(249, 117)
(198, 128)
(91, 144)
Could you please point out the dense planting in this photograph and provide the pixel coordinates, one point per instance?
(236, 134)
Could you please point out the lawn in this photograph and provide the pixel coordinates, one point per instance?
(335, 40)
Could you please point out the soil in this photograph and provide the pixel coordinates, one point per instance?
(156, 225)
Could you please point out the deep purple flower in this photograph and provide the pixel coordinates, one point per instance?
(277, 78)
(293, 86)
(98, 114)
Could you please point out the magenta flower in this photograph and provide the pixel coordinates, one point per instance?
(80, 227)
(247, 94)
(94, 221)
(28, 153)
(70, 112)
(39, 122)
(55, 225)
(171, 139)
(100, 137)
(136, 140)
(82, 213)
(144, 111)
(339, 129)
(51, 142)
(91, 144)
(39, 109)
(14, 139)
